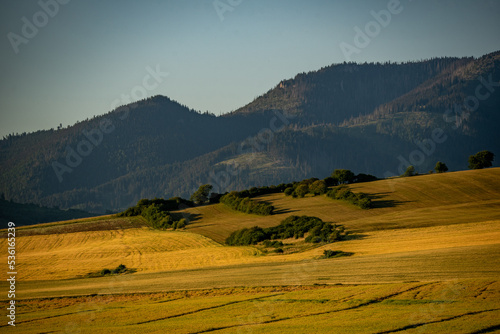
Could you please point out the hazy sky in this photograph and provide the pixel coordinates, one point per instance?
(81, 58)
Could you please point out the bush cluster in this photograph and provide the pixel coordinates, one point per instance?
(259, 191)
(312, 186)
(157, 212)
(245, 204)
(343, 192)
(121, 269)
(291, 227)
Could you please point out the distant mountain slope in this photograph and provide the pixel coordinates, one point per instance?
(371, 118)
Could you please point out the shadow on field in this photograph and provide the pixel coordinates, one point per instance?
(282, 211)
(378, 201)
(354, 236)
(191, 217)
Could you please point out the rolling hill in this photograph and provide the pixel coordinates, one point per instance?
(425, 257)
(372, 118)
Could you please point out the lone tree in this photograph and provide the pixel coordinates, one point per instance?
(410, 171)
(200, 196)
(441, 167)
(343, 176)
(481, 160)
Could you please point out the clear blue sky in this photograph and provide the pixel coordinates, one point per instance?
(91, 52)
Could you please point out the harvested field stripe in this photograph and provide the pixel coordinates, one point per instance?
(207, 308)
(420, 324)
(487, 329)
(374, 301)
(52, 316)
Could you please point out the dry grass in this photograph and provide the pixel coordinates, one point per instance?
(67, 255)
(427, 200)
(433, 241)
(460, 307)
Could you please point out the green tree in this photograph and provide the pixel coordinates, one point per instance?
(441, 167)
(318, 187)
(410, 171)
(343, 175)
(200, 196)
(481, 160)
(301, 190)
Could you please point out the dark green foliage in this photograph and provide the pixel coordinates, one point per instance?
(410, 171)
(259, 191)
(200, 196)
(343, 176)
(440, 167)
(291, 227)
(274, 243)
(365, 178)
(246, 236)
(343, 192)
(180, 224)
(344, 115)
(301, 190)
(289, 191)
(318, 187)
(247, 205)
(330, 181)
(157, 211)
(29, 214)
(329, 254)
(481, 160)
(105, 272)
(121, 269)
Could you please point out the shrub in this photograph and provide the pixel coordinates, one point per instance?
(289, 191)
(181, 223)
(291, 227)
(301, 190)
(105, 272)
(328, 254)
(247, 205)
(318, 187)
(343, 192)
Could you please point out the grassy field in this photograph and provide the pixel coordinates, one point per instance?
(427, 200)
(430, 307)
(425, 259)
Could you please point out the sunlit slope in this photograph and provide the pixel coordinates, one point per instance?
(427, 200)
(178, 260)
(67, 255)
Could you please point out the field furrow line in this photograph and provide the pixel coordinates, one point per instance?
(206, 309)
(375, 301)
(487, 329)
(420, 324)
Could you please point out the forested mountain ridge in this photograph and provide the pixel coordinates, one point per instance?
(358, 116)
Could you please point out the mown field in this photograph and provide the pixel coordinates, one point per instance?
(425, 259)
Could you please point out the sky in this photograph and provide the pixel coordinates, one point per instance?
(63, 61)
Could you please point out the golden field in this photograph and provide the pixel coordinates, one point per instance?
(426, 259)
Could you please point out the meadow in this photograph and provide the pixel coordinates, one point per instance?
(425, 259)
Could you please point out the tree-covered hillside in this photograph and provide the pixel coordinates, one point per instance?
(371, 118)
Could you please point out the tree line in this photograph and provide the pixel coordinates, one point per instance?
(292, 227)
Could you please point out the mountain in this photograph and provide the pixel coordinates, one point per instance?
(371, 118)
